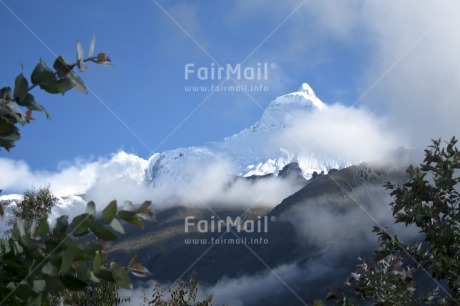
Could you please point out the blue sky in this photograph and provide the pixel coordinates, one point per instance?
(393, 60)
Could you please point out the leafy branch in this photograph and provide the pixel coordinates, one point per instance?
(38, 261)
(17, 105)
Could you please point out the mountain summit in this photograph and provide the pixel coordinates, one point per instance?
(252, 151)
(276, 112)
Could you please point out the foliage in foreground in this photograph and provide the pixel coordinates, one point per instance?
(429, 200)
(38, 262)
(103, 293)
(183, 295)
(40, 265)
(17, 105)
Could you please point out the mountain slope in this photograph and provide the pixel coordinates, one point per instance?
(169, 251)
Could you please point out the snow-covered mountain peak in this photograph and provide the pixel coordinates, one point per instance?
(307, 89)
(254, 150)
(304, 98)
(284, 106)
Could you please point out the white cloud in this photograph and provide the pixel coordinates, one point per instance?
(348, 133)
(210, 184)
(18, 177)
(122, 177)
(321, 221)
(419, 44)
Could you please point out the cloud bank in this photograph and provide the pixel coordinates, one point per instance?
(340, 132)
(123, 177)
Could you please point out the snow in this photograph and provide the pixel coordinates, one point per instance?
(253, 151)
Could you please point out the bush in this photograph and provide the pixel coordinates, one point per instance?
(429, 200)
(34, 205)
(182, 295)
(39, 264)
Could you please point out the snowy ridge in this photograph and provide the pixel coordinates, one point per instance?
(253, 151)
(165, 168)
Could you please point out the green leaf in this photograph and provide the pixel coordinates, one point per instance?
(50, 269)
(32, 244)
(67, 260)
(77, 82)
(52, 89)
(54, 285)
(7, 144)
(39, 285)
(91, 208)
(7, 130)
(61, 67)
(20, 226)
(126, 214)
(105, 274)
(80, 224)
(20, 88)
(29, 102)
(116, 226)
(43, 228)
(89, 247)
(61, 225)
(79, 253)
(64, 85)
(109, 212)
(9, 133)
(83, 271)
(97, 262)
(73, 283)
(35, 300)
(92, 277)
(120, 276)
(24, 291)
(131, 217)
(43, 75)
(102, 232)
(5, 93)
